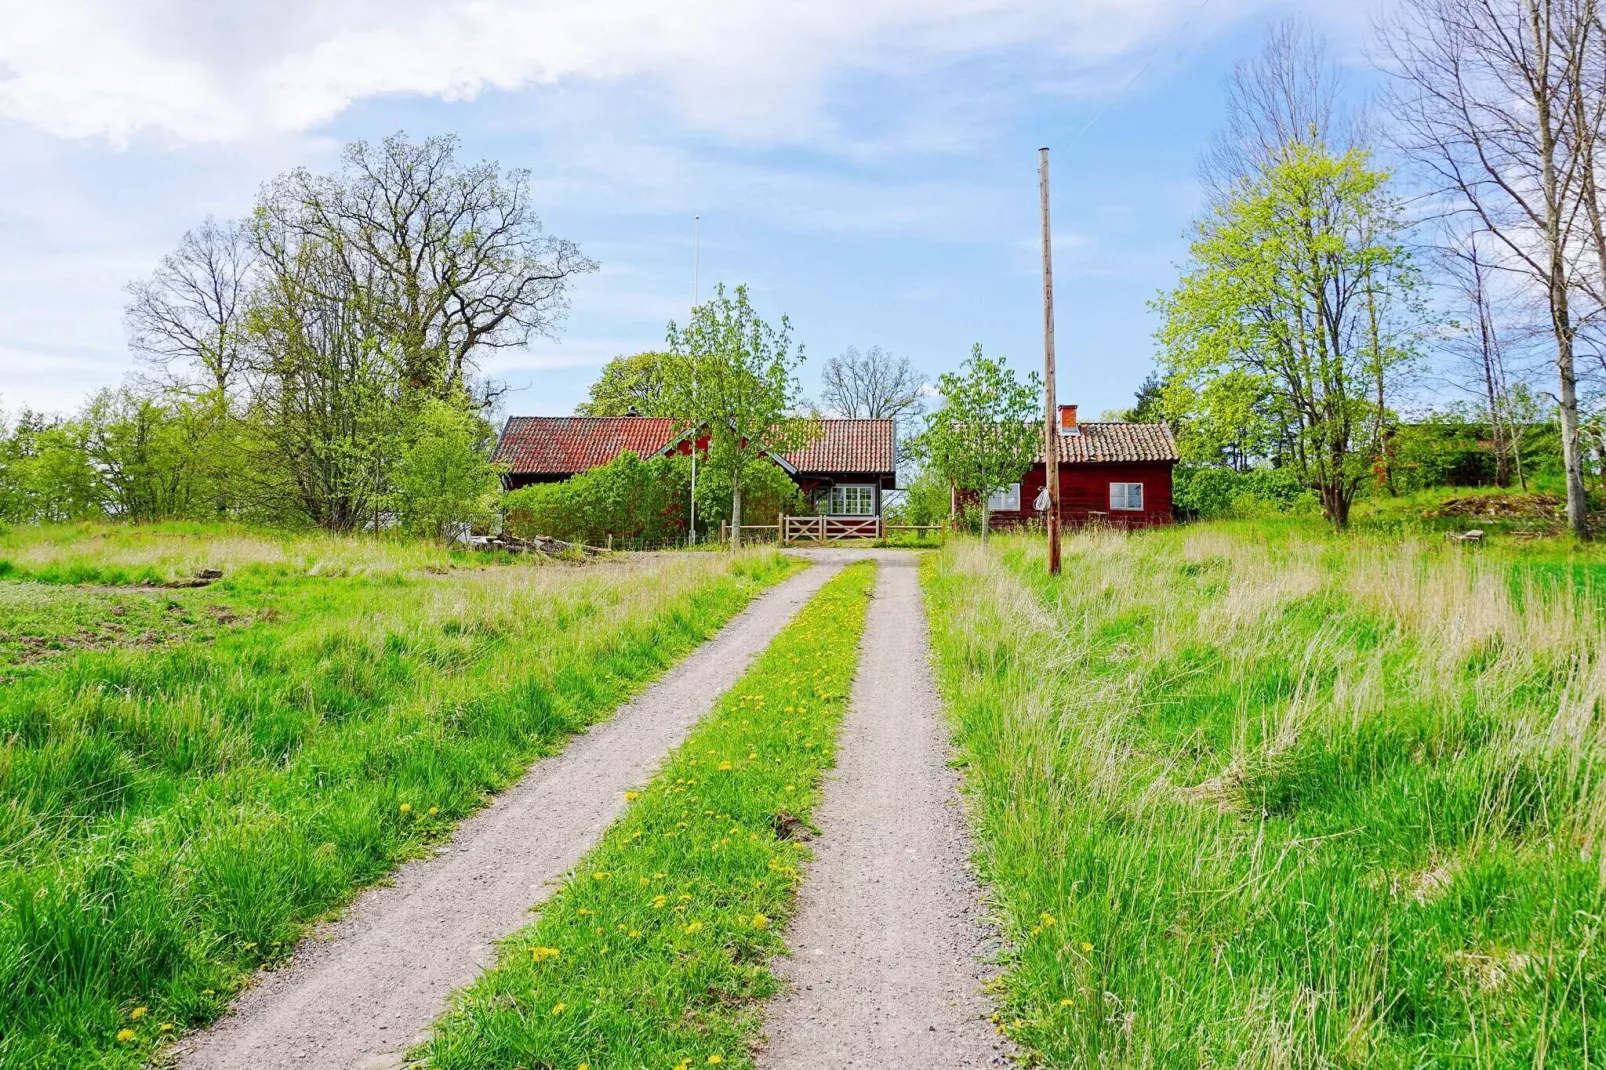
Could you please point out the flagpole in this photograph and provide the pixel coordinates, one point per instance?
(1051, 466)
(696, 296)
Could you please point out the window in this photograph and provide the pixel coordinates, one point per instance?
(851, 500)
(1005, 501)
(1126, 497)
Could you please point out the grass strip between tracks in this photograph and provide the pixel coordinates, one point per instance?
(654, 952)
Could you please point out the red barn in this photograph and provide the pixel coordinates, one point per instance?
(1110, 473)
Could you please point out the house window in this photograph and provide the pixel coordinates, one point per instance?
(854, 499)
(1006, 500)
(1126, 497)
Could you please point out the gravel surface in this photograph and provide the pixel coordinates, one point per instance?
(888, 942)
(360, 991)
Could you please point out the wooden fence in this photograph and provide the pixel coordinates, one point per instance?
(822, 530)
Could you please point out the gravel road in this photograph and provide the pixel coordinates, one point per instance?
(886, 967)
(361, 990)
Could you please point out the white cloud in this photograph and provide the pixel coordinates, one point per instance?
(207, 70)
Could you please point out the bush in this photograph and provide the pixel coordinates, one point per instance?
(628, 498)
(443, 479)
(1211, 492)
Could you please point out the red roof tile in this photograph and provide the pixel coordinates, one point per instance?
(1117, 443)
(848, 447)
(564, 445)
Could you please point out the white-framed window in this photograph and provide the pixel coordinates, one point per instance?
(1005, 501)
(1126, 497)
(851, 499)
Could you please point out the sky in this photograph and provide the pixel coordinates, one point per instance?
(867, 167)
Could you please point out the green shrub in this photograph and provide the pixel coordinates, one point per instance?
(1212, 492)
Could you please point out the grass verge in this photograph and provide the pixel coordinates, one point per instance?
(654, 953)
(172, 816)
(1277, 798)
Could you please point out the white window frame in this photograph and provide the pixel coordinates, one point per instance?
(860, 496)
(1123, 495)
(1006, 500)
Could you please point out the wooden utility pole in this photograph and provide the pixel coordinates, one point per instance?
(1051, 452)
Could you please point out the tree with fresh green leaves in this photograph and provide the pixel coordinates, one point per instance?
(628, 386)
(989, 430)
(734, 377)
(1301, 281)
(443, 480)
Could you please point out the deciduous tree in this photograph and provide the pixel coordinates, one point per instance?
(735, 376)
(987, 432)
(1291, 282)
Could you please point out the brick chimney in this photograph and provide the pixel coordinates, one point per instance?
(1068, 424)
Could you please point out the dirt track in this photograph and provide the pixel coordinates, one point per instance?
(360, 991)
(887, 945)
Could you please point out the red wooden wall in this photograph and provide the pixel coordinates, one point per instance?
(1085, 494)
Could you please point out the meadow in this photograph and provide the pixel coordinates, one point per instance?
(191, 775)
(1252, 794)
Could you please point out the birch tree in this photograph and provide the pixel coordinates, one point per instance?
(1496, 103)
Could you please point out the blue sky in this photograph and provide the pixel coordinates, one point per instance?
(867, 168)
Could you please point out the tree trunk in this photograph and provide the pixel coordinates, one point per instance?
(1567, 397)
(736, 512)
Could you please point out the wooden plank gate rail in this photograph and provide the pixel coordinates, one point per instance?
(823, 529)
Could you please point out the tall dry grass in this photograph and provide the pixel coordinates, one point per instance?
(1269, 798)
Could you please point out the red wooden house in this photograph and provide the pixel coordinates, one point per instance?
(845, 469)
(1109, 473)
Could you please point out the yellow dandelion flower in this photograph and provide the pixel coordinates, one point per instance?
(658, 901)
(1066, 1002)
(1047, 919)
(751, 755)
(1086, 946)
(632, 796)
(724, 767)
(601, 875)
(433, 810)
(406, 808)
(760, 921)
(139, 1012)
(559, 1008)
(788, 787)
(634, 934)
(166, 1027)
(695, 926)
(125, 1035)
(541, 954)
(715, 1060)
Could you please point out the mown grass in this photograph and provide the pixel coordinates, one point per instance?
(654, 952)
(1256, 795)
(173, 815)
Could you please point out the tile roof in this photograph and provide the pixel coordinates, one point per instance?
(848, 447)
(564, 445)
(1117, 443)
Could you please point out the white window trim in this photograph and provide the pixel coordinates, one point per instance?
(1006, 500)
(1126, 498)
(867, 498)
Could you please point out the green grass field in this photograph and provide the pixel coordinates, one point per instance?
(190, 776)
(1258, 795)
(655, 952)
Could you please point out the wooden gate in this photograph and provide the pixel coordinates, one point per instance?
(824, 529)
